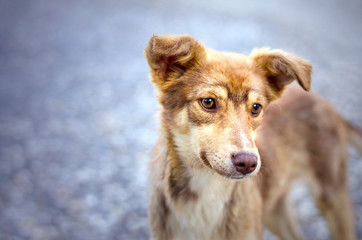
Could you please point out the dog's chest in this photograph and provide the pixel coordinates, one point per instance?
(202, 218)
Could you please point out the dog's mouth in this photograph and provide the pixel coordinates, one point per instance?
(204, 159)
(233, 175)
(237, 176)
(240, 166)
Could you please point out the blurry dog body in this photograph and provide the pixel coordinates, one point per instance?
(213, 142)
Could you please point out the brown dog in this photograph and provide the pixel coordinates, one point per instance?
(219, 171)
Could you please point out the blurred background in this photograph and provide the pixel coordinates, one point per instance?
(77, 110)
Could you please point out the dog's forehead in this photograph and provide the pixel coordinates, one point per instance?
(229, 57)
(232, 72)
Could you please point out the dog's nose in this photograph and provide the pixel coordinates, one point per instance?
(245, 162)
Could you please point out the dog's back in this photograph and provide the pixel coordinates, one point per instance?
(303, 138)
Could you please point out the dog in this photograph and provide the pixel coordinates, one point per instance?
(230, 147)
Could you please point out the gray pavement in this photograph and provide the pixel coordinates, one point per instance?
(77, 111)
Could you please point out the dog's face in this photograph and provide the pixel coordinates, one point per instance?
(213, 102)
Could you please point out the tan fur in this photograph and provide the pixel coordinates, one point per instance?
(196, 190)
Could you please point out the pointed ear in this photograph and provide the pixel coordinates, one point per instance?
(280, 69)
(170, 56)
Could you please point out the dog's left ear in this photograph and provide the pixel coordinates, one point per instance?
(170, 56)
(280, 69)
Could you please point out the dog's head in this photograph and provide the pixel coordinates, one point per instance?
(212, 102)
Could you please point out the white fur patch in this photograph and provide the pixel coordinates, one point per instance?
(199, 219)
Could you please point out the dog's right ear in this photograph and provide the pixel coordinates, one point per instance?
(170, 56)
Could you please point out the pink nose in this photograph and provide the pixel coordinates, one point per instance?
(244, 162)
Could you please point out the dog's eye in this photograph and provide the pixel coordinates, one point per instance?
(256, 109)
(208, 103)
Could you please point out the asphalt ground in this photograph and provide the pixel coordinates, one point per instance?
(77, 110)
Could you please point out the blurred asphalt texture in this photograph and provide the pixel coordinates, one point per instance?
(77, 110)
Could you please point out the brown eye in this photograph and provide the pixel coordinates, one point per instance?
(208, 103)
(256, 109)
